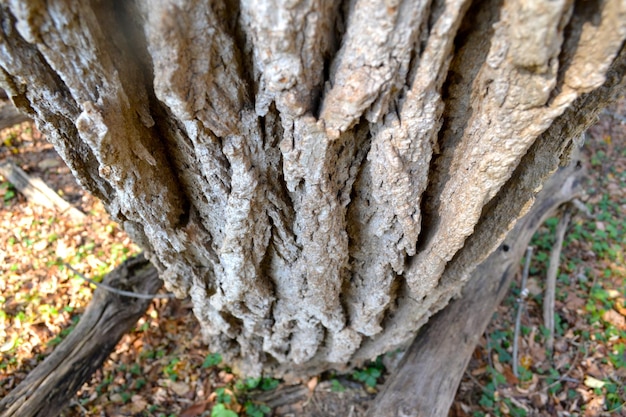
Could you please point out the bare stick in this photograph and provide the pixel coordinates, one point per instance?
(9, 115)
(521, 303)
(553, 269)
(37, 191)
(118, 291)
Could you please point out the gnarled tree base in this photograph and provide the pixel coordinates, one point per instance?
(318, 177)
(423, 384)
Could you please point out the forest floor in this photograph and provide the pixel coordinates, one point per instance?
(162, 368)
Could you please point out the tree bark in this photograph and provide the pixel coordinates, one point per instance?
(320, 177)
(49, 387)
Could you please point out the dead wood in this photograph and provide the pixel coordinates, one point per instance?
(553, 269)
(49, 387)
(37, 191)
(426, 380)
(9, 115)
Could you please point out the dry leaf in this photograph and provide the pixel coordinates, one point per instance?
(116, 398)
(620, 306)
(592, 382)
(612, 293)
(613, 317)
(510, 376)
(40, 245)
(48, 163)
(479, 371)
(195, 409)
(312, 384)
(138, 403)
(496, 363)
(594, 407)
(573, 302)
(539, 399)
(526, 361)
(180, 388)
(533, 286)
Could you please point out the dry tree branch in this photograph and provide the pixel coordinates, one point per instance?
(553, 268)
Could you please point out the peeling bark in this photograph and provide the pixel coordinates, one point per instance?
(320, 177)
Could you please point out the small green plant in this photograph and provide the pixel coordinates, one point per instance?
(264, 384)
(139, 383)
(104, 384)
(524, 374)
(222, 396)
(212, 359)
(500, 341)
(618, 356)
(135, 369)
(335, 386)
(256, 410)
(491, 400)
(614, 396)
(370, 374)
(220, 410)
(8, 191)
(170, 369)
(268, 384)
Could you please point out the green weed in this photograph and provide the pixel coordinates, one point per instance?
(212, 359)
(370, 374)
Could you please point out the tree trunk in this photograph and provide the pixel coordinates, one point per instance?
(320, 177)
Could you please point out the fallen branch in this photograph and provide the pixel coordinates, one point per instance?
(37, 191)
(48, 388)
(553, 269)
(426, 380)
(9, 115)
(117, 290)
(521, 304)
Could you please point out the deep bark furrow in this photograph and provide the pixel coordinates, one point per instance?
(198, 78)
(510, 109)
(372, 65)
(472, 47)
(136, 170)
(550, 150)
(305, 242)
(399, 162)
(290, 45)
(183, 72)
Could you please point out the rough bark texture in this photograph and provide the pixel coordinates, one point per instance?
(319, 176)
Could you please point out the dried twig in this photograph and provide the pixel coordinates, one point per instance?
(563, 378)
(582, 208)
(521, 302)
(553, 268)
(118, 291)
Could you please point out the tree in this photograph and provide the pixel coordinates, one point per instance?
(320, 177)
